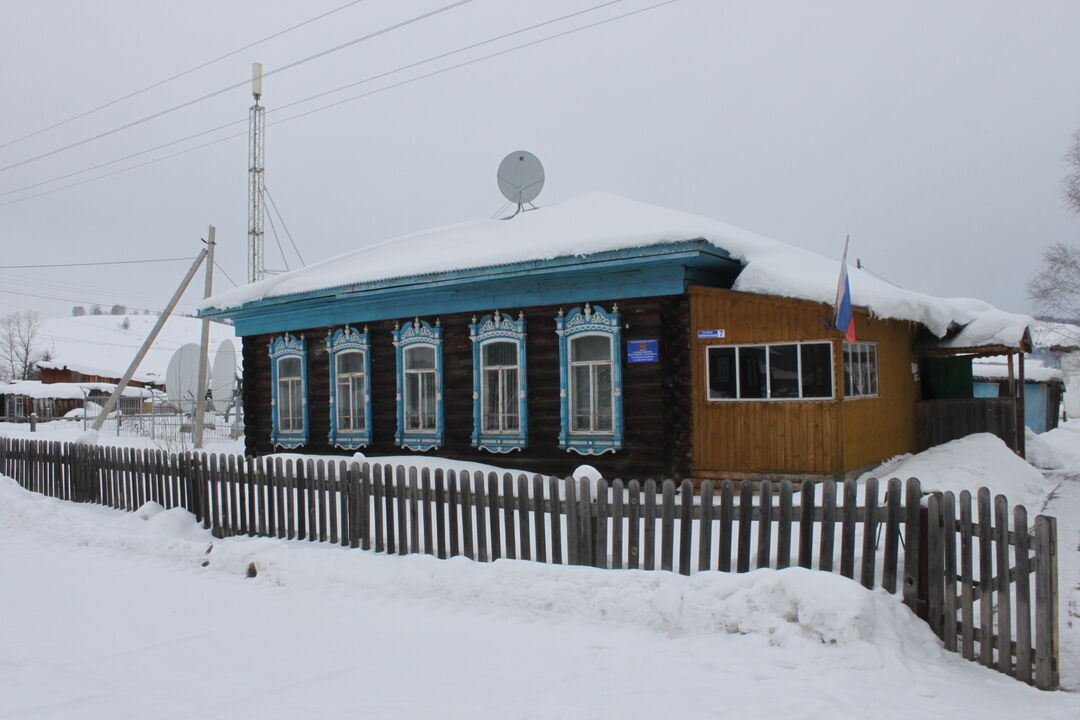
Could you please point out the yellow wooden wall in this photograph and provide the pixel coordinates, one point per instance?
(880, 427)
(795, 436)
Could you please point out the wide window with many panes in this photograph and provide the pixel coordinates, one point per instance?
(860, 369)
(773, 371)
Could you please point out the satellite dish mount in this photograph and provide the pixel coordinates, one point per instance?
(521, 178)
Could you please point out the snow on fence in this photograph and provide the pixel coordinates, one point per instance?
(962, 570)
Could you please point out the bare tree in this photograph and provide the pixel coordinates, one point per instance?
(19, 350)
(1055, 289)
(1072, 180)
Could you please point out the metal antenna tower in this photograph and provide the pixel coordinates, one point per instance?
(256, 153)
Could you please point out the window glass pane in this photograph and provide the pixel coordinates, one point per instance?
(510, 399)
(421, 357)
(752, 372)
(349, 363)
(784, 371)
(847, 369)
(580, 398)
(412, 401)
(872, 369)
(344, 406)
(859, 369)
(289, 367)
(602, 386)
(357, 401)
(499, 353)
(427, 394)
(590, 347)
(721, 372)
(283, 402)
(490, 391)
(295, 405)
(816, 370)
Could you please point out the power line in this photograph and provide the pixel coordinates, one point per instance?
(180, 74)
(350, 99)
(340, 88)
(74, 300)
(225, 274)
(189, 103)
(125, 157)
(87, 264)
(270, 219)
(283, 225)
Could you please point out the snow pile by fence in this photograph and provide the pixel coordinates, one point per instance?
(1064, 440)
(979, 460)
(792, 608)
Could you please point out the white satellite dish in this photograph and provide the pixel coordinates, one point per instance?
(182, 377)
(223, 376)
(521, 177)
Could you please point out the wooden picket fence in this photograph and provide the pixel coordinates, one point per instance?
(968, 575)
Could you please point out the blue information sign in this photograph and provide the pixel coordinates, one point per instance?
(638, 351)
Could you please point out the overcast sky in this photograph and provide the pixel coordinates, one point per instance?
(932, 133)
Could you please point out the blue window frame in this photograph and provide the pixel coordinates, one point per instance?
(350, 388)
(590, 380)
(500, 417)
(418, 349)
(289, 407)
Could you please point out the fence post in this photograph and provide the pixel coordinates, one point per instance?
(913, 530)
(1046, 604)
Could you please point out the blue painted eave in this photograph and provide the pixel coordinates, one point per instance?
(636, 272)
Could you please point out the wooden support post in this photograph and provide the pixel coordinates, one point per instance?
(115, 397)
(204, 347)
(1021, 425)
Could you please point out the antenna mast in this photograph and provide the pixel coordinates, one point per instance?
(256, 153)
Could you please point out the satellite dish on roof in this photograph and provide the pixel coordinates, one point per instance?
(223, 376)
(521, 177)
(182, 376)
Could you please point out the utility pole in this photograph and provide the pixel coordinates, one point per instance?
(122, 385)
(256, 152)
(204, 346)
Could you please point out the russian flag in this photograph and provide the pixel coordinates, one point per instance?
(845, 319)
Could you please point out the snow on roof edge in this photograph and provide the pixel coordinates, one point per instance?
(599, 222)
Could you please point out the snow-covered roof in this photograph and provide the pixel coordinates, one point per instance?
(1054, 334)
(101, 344)
(997, 368)
(66, 391)
(600, 222)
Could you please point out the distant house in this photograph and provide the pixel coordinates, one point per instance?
(644, 341)
(20, 399)
(1057, 345)
(1043, 389)
(99, 348)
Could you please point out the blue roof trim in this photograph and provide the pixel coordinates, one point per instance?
(635, 272)
(491, 271)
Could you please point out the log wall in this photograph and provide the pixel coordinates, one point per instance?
(656, 396)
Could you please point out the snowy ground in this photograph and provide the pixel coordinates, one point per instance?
(111, 615)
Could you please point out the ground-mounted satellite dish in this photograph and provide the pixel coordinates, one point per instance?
(223, 376)
(521, 177)
(182, 376)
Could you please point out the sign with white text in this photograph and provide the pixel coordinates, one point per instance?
(639, 351)
(710, 334)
